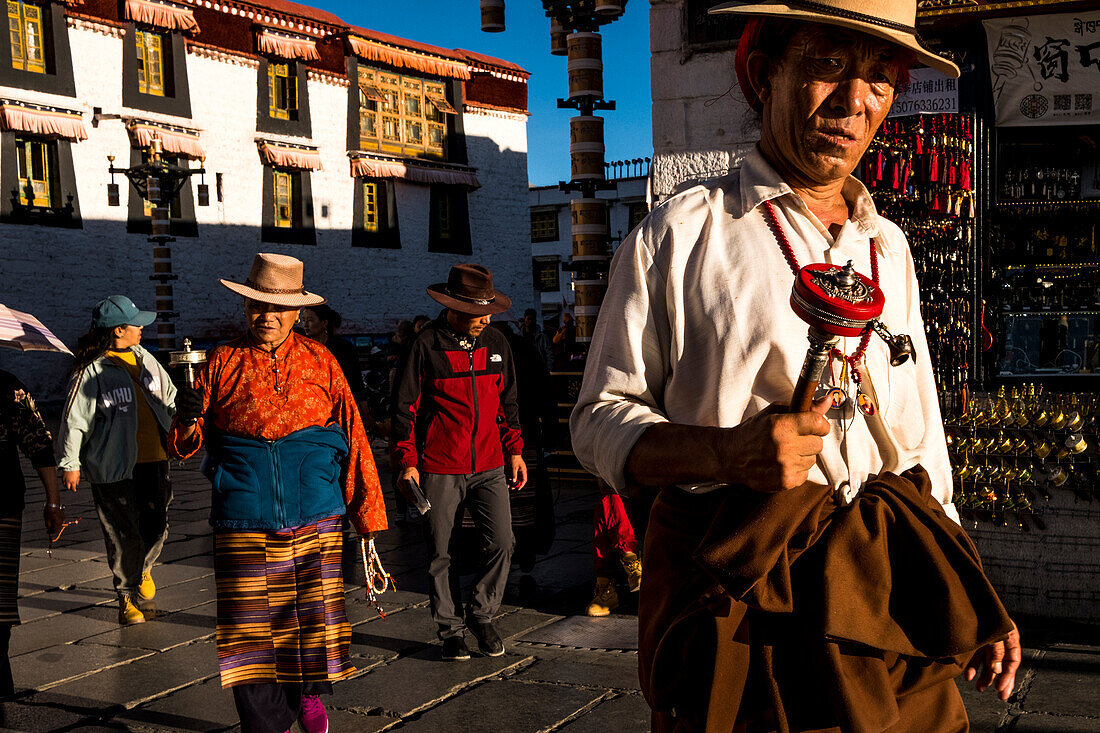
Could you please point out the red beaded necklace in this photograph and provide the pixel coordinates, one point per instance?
(788, 254)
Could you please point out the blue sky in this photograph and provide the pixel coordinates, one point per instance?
(457, 24)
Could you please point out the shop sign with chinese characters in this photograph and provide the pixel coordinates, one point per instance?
(928, 92)
(1045, 69)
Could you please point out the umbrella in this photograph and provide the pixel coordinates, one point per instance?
(24, 332)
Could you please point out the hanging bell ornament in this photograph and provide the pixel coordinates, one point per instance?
(837, 301)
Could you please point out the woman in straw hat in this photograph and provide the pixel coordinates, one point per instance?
(287, 456)
(801, 573)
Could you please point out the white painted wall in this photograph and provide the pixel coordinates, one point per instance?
(58, 274)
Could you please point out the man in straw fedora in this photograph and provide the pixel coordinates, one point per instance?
(457, 434)
(287, 458)
(804, 571)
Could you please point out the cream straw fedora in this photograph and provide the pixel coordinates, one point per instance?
(891, 20)
(275, 279)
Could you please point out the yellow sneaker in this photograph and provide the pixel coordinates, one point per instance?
(604, 599)
(148, 589)
(633, 567)
(128, 613)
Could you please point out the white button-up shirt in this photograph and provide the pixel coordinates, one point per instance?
(696, 328)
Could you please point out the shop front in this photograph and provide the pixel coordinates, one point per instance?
(995, 178)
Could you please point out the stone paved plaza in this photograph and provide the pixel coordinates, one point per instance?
(78, 670)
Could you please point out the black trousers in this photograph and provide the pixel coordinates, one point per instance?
(134, 516)
(486, 496)
(268, 707)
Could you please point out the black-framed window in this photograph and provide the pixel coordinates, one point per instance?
(287, 215)
(181, 208)
(544, 226)
(154, 71)
(34, 53)
(375, 214)
(283, 97)
(38, 180)
(449, 220)
(637, 210)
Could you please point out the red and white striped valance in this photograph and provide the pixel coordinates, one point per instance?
(161, 15)
(175, 140)
(284, 155)
(403, 59)
(362, 167)
(48, 122)
(285, 45)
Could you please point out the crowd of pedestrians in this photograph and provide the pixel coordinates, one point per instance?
(285, 416)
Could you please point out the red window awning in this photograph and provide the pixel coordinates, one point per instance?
(404, 59)
(161, 15)
(173, 140)
(440, 103)
(365, 167)
(284, 155)
(46, 122)
(285, 45)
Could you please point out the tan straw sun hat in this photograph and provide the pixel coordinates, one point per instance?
(890, 20)
(275, 279)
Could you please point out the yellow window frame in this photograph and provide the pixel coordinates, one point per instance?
(284, 199)
(33, 162)
(25, 27)
(282, 88)
(371, 222)
(398, 116)
(150, 66)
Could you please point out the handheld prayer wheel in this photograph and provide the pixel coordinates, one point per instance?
(837, 301)
(189, 359)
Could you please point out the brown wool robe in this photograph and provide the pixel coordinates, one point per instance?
(804, 616)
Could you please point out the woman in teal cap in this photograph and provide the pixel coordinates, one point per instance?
(119, 409)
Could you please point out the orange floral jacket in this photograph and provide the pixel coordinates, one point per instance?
(250, 392)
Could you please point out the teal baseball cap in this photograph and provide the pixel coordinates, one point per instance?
(118, 310)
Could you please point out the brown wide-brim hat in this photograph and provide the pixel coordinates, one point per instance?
(275, 279)
(890, 20)
(469, 289)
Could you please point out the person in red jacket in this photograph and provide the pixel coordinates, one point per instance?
(455, 418)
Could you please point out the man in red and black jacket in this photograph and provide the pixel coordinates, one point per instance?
(457, 434)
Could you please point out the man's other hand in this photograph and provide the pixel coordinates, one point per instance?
(188, 405)
(404, 483)
(774, 450)
(70, 479)
(517, 473)
(996, 664)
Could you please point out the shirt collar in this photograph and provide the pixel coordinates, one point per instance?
(760, 182)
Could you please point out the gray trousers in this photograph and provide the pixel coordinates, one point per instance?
(134, 516)
(485, 494)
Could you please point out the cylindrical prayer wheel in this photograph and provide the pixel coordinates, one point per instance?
(585, 65)
(589, 292)
(610, 7)
(492, 16)
(586, 321)
(586, 161)
(586, 129)
(589, 217)
(559, 39)
(590, 245)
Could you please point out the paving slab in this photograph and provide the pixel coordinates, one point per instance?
(624, 713)
(46, 668)
(52, 603)
(153, 635)
(398, 632)
(590, 669)
(1045, 723)
(345, 721)
(30, 716)
(480, 710)
(1065, 683)
(187, 548)
(146, 678)
(201, 707)
(65, 575)
(62, 629)
(986, 711)
(179, 596)
(416, 682)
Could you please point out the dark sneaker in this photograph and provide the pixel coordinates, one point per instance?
(454, 649)
(488, 640)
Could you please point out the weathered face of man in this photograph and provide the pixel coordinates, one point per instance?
(825, 100)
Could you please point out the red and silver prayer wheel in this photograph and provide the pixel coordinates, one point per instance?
(836, 300)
